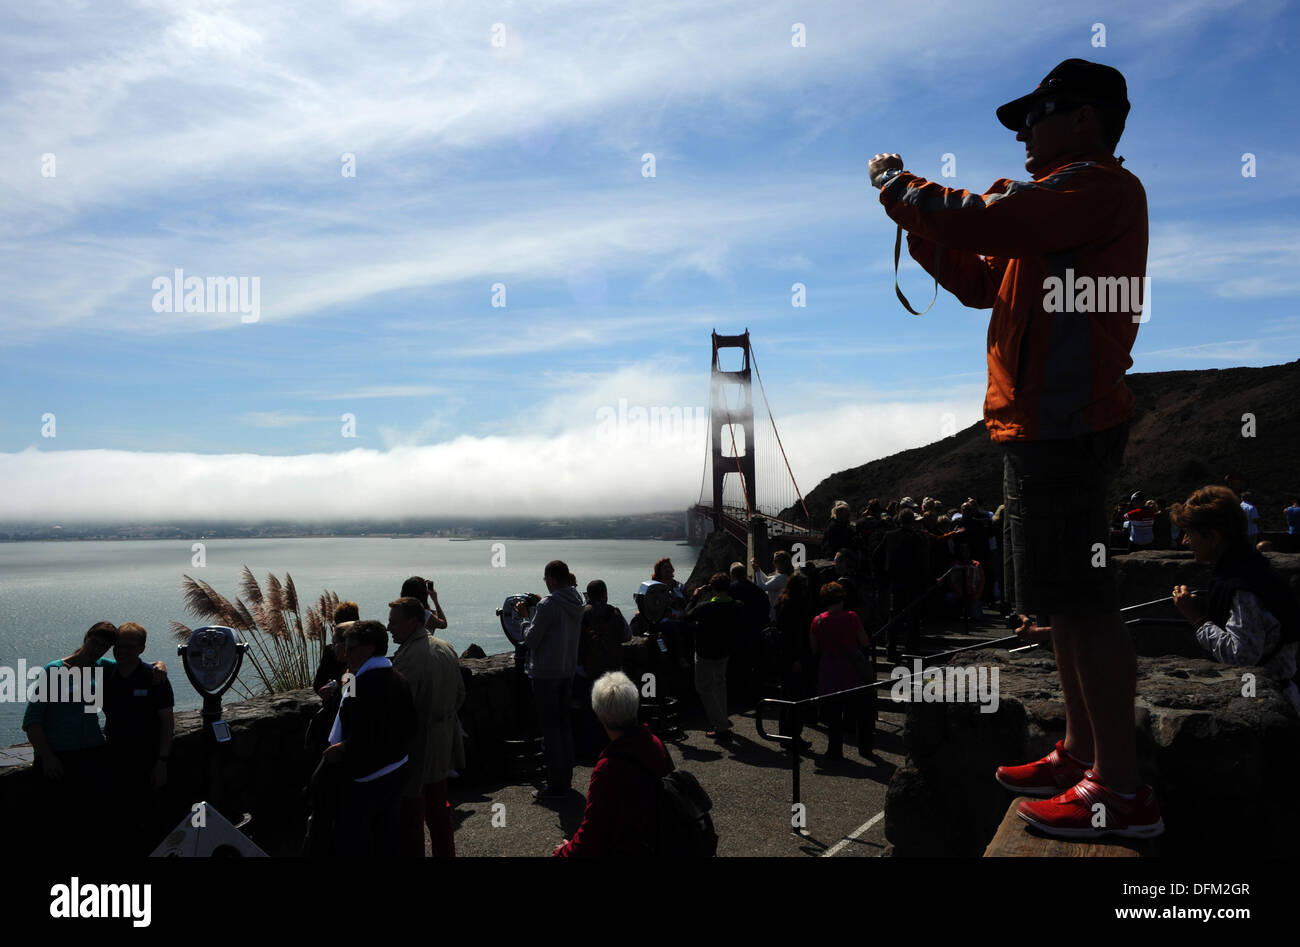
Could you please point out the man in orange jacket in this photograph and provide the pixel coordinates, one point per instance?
(1061, 259)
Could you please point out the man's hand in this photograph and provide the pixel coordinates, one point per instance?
(333, 753)
(53, 768)
(1028, 631)
(1189, 603)
(881, 163)
(159, 672)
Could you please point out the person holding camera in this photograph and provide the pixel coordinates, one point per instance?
(1048, 256)
(435, 619)
(552, 632)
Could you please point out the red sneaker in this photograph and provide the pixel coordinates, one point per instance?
(1053, 774)
(1090, 810)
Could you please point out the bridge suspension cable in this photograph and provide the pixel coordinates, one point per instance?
(776, 432)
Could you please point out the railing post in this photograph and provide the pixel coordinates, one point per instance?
(794, 757)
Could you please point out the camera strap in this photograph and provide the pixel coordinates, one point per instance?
(898, 248)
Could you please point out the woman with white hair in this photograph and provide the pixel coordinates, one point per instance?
(622, 815)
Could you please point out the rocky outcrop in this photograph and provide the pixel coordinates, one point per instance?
(720, 550)
(1222, 762)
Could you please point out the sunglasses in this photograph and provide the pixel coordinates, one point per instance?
(1050, 107)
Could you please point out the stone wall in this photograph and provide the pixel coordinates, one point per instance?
(1223, 765)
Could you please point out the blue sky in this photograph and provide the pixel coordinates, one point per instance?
(210, 138)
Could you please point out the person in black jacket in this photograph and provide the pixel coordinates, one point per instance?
(854, 601)
(793, 607)
(717, 619)
(840, 534)
(903, 556)
(369, 742)
(756, 610)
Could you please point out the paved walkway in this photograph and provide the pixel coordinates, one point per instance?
(749, 781)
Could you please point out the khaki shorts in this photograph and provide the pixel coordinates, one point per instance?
(1057, 495)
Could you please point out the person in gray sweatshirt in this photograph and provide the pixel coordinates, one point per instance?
(552, 633)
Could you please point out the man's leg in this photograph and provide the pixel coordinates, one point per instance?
(835, 730)
(720, 693)
(437, 808)
(324, 791)
(354, 828)
(565, 712)
(546, 696)
(1008, 566)
(1078, 726)
(1016, 576)
(708, 675)
(386, 799)
(1104, 682)
(411, 815)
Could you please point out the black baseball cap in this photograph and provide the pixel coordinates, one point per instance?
(1075, 79)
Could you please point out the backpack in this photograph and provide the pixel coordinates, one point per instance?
(685, 826)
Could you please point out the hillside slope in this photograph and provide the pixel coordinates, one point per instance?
(1188, 431)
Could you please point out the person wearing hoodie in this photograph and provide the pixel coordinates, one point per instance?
(552, 634)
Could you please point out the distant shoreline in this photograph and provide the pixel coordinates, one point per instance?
(639, 527)
(679, 540)
(566, 537)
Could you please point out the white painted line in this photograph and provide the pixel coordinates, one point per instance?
(856, 832)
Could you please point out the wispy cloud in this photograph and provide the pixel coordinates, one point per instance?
(1235, 261)
(279, 419)
(1236, 351)
(376, 391)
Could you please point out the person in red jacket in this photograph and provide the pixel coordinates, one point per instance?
(622, 815)
(1061, 260)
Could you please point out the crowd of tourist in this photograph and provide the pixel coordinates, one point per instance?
(904, 562)
(388, 737)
